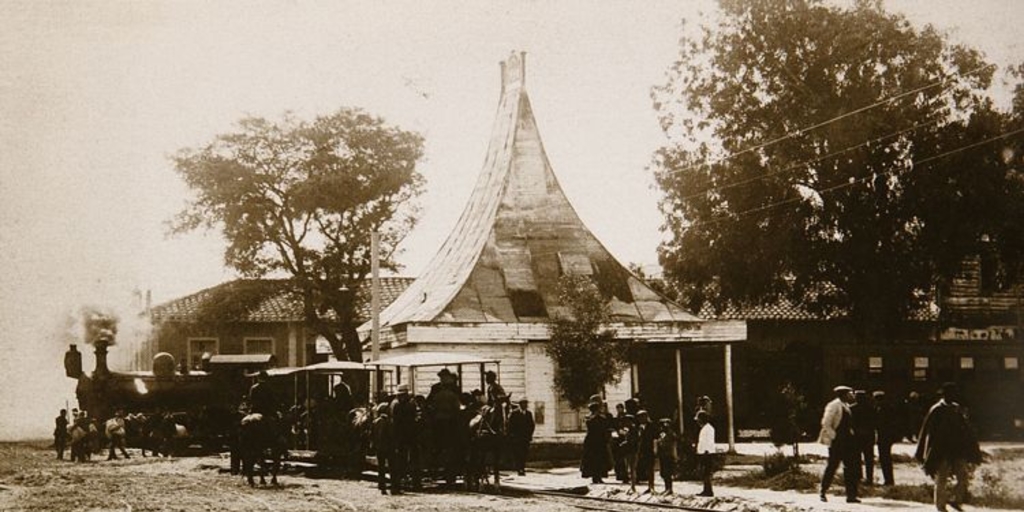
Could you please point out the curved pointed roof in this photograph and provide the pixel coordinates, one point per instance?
(517, 236)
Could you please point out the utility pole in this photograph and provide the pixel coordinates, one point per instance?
(375, 310)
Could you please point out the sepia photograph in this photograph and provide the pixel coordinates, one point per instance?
(702, 255)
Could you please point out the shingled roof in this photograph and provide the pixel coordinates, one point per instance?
(260, 300)
(517, 236)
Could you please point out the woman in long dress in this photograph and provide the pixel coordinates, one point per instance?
(596, 461)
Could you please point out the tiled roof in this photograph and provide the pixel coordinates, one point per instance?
(261, 300)
(784, 309)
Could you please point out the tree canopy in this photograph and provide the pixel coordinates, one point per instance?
(587, 357)
(837, 157)
(301, 198)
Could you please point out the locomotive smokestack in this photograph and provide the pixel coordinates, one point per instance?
(100, 329)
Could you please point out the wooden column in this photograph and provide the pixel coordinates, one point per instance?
(634, 379)
(728, 397)
(679, 388)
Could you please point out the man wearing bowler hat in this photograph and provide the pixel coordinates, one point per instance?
(837, 434)
(520, 432)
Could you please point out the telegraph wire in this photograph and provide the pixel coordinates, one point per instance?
(827, 122)
(806, 162)
(851, 183)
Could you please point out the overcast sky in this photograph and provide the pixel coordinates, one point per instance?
(95, 95)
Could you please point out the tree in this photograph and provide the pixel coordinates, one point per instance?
(836, 157)
(786, 418)
(587, 358)
(301, 199)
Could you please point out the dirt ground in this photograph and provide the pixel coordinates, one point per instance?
(31, 479)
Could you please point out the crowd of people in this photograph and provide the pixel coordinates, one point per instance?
(854, 424)
(451, 433)
(632, 445)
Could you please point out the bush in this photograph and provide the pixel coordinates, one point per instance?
(778, 463)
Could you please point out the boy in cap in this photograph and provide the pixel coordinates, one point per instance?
(665, 447)
(837, 434)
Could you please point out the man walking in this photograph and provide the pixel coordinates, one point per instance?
(837, 434)
(945, 446)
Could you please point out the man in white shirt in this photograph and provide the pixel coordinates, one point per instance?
(706, 450)
(837, 434)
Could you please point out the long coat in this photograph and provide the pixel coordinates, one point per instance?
(596, 461)
(946, 436)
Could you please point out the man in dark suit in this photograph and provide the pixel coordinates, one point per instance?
(520, 432)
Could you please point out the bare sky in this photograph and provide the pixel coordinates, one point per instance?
(95, 95)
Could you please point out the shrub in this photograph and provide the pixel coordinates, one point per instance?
(778, 463)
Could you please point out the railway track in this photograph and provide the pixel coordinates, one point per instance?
(584, 502)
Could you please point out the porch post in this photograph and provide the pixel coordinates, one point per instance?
(679, 388)
(634, 379)
(728, 397)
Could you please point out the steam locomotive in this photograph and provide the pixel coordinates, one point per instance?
(203, 401)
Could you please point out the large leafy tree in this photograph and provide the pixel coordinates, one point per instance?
(587, 356)
(301, 199)
(836, 157)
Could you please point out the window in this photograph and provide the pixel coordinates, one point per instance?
(258, 346)
(875, 365)
(199, 346)
(1011, 363)
(966, 363)
(569, 419)
(920, 368)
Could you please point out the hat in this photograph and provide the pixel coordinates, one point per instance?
(666, 421)
(595, 399)
(878, 394)
(523, 401)
(490, 373)
(641, 412)
(842, 389)
(403, 388)
(443, 372)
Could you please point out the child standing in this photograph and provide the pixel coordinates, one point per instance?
(666, 450)
(705, 450)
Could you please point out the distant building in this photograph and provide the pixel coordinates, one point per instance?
(248, 316)
(973, 334)
(492, 287)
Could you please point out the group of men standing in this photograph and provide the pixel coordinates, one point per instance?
(631, 443)
(410, 432)
(852, 425)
